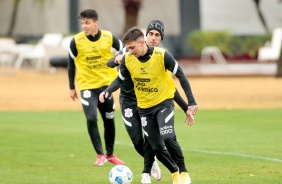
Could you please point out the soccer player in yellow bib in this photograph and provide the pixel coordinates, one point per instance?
(154, 88)
(88, 54)
(130, 115)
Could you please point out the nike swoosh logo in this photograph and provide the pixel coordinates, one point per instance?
(163, 110)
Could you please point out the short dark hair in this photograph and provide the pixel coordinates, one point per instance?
(132, 35)
(88, 13)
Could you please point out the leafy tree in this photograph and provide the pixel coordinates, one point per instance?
(13, 19)
(279, 61)
(279, 65)
(261, 17)
(131, 8)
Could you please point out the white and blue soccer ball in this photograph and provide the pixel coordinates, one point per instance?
(120, 174)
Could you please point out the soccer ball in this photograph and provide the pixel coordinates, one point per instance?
(120, 174)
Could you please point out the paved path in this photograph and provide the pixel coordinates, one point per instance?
(246, 69)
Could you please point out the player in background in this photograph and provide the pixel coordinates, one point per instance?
(145, 53)
(89, 52)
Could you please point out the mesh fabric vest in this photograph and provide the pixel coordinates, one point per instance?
(152, 84)
(91, 69)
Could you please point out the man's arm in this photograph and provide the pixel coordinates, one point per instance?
(180, 101)
(113, 62)
(117, 43)
(115, 85)
(172, 65)
(71, 65)
(72, 69)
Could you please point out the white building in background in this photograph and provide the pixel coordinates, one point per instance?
(237, 17)
(53, 16)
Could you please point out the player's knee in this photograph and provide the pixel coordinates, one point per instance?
(168, 137)
(159, 148)
(139, 149)
(138, 141)
(91, 119)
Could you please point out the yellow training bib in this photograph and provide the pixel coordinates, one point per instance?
(152, 84)
(91, 69)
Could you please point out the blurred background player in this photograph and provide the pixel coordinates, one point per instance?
(89, 52)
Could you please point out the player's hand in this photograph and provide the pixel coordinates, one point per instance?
(73, 94)
(102, 96)
(118, 59)
(189, 118)
(193, 109)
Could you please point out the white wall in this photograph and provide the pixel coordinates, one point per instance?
(165, 10)
(239, 16)
(236, 16)
(111, 14)
(35, 19)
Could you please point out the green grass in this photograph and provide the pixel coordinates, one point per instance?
(224, 147)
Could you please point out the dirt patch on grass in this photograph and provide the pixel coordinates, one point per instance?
(29, 90)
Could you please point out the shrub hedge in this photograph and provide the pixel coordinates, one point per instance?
(230, 45)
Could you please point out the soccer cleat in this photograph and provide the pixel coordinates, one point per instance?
(114, 160)
(185, 178)
(100, 160)
(156, 171)
(176, 178)
(145, 178)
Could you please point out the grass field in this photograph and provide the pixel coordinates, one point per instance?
(224, 147)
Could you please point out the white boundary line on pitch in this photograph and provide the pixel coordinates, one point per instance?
(221, 153)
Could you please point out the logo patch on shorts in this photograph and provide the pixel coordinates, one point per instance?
(144, 121)
(128, 113)
(166, 130)
(86, 94)
(110, 115)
